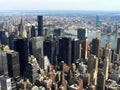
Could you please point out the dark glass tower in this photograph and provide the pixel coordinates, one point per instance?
(75, 50)
(3, 64)
(81, 33)
(33, 31)
(118, 46)
(65, 50)
(21, 46)
(95, 47)
(13, 64)
(40, 25)
(50, 50)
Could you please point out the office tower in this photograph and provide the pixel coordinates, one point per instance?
(33, 31)
(95, 47)
(3, 63)
(93, 68)
(50, 50)
(81, 33)
(106, 67)
(46, 32)
(21, 46)
(4, 38)
(118, 46)
(85, 48)
(97, 21)
(11, 40)
(31, 71)
(108, 52)
(13, 63)
(101, 80)
(36, 47)
(75, 50)
(5, 83)
(44, 63)
(21, 28)
(40, 25)
(65, 50)
(58, 32)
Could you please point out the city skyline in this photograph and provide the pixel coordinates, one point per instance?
(104, 5)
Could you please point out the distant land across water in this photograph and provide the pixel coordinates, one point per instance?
(58, 12)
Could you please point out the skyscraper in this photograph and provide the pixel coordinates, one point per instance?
(58, 31)
(65, 50)
(75, 50)
(81, 33)
(85, 48)
(3, 63)
(101, 80)
(93, 68)
(95, 47)
(32, 68)
(40, 25)
(21, 28)
(36, 47)
(13, 63)
(50, 50)
(118, 46)
(21, 46)
(33, 31)
(97, 21)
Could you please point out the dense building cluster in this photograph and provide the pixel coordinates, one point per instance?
(33, 59)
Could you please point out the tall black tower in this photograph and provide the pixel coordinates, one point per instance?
(50, 50)
(40, 25)
(118, 46)
(13, 64)
(21, 46)
(65, 50)
(75, 50)
(95, 50)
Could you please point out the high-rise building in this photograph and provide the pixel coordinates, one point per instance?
(36, 47)
(4, 38)
(21, 46)
(5, 83)
(101, 80)
(11, 40)
(95, 47)
(40, 25)
(106, 67)
(31, 71)
(13, 63)
(65, 50)
(50, 50)
(97, 21)
(93, 68)
(3, 63)
(75, 50)
(81, 33)
(85, 48)
(58, 31)
(21, 28)
(33, 31)
(118, 46)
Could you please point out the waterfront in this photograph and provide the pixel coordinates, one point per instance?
(103, 38)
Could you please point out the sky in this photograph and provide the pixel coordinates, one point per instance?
(111, 5)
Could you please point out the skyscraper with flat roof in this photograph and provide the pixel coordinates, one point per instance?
(118, 46)
(13, 63)
(95, 47)
(81, 33)
(40, 25)
(21, 46)
(65, 44)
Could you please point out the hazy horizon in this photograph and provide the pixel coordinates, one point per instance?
(84, 5)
